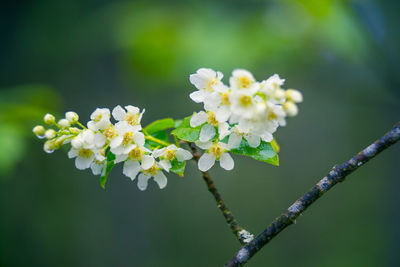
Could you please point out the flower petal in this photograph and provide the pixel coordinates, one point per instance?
(182, 154)
(207, 133)
(147, 162)
(253, 140)
(132, 109)
(198, 96)
(138, 138)
(165, 164)
(198, 119)
(142, 181)
(234, 140)
(226, 161)
(160, 179)
(99, 140)
(73, 153)
(206, 161)
(131, 168)
(119, 113)
(83, 163)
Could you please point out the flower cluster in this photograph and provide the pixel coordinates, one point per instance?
(125, 140)
(246, 109)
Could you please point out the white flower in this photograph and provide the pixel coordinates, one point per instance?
(72, 117)
(219, 103)
(208, 130)
(170, 153)
(87, 146)
(100, 119)
(241, 79)
(244, 102)
(154, 171)
(206, 80)
(214, 151)
(237, 134)
(132, 115)
(136, 160)
(126, 138)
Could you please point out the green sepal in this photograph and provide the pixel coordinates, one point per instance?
(160, 125)
(110, 164)
(264, 152)
(178, 167)
(184, 132)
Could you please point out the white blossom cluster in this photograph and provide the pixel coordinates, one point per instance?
(245, 109)
(125, 139)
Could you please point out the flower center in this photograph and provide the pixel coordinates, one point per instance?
(217, 150)
(136, 153)
(210, 84)
(272, 116)
(211, 119)
(132, 119)
(128, 138)
(225, 99)
(245, 100)
(152, 171)
(110, 133)
(169, 154)
(244, 82)
(98, 117)
(85, 153)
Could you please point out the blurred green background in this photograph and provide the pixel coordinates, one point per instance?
(78, 55)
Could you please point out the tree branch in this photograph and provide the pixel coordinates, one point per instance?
(337, 174)
(231, 221)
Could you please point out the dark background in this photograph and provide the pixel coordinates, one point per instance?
(57, 56)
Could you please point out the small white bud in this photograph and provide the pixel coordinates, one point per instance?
(77, 142)
(290, 108)
(48, 147)
(294, 95)
(39, 131)
(63, 123)
(72, 117)
(279, 93)
(50, 134)
(49, 119)
(74, 130)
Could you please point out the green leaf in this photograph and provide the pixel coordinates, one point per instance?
(264, 152)
(178, 167)
(160, 125)
(162, 135)
(110, 164)
(185, 132)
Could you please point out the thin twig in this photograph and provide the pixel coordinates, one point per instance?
(337, 174)
(233, 224)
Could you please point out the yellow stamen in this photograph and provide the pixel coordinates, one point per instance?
(132, 119)
(244, 82)
(110, 133)
(169, 154)
(217, 150)
(128, 138)
(245, 100)
(85, 153)
(225, 99)
(136, 153)
(152, 171)
(211, 119)
(210, 84)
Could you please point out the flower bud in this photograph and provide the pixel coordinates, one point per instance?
(74, 130)
(63, 123)
(49, 119)
(279, 93)
(72, 117)
(77, 142)
(290, 108)
(50, 134)
(294, 95)
(39, 131)
(48, 147)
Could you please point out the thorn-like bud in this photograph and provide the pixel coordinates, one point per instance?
(39, 131)
(49, 119)
(290, 108)
(72, 117)
(50, 134)
(294, 95)
(63, 123)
